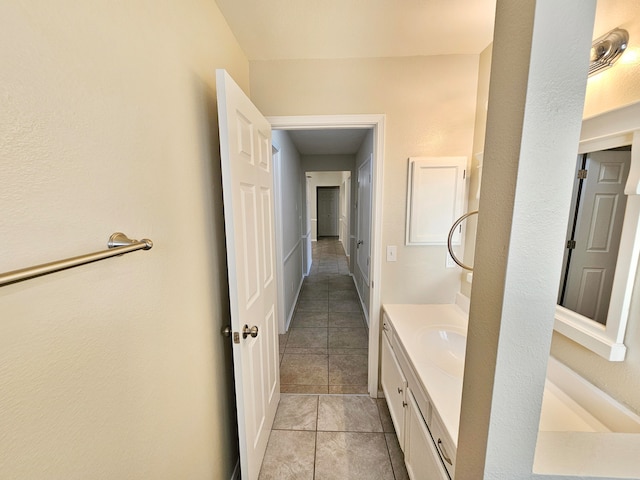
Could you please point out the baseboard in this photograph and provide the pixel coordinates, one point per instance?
(364, 308)
(293, 308)
(236, 471)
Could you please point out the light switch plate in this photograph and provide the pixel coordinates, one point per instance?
(392, 253)
(449, 262)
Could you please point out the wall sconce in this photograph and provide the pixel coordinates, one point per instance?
(607, 49)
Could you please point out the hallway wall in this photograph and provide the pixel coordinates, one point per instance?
(108, 123)
(291, 217)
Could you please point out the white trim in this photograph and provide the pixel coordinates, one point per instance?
(277, 182)
(606, 409)
(364, 310)
(367, 166)
(293, 305)
(377, 122)
(293, 250)
(612, 129)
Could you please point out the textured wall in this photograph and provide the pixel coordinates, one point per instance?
(114, 370)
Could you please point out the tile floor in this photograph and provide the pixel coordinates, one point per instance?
(325, 437)
(326, 347)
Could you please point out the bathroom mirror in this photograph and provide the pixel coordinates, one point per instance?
(593, 233)
(603, 235)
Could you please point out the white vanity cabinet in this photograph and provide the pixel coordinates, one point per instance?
(420, 455)
(411, 412)
(394, 386)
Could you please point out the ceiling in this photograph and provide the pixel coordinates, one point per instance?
(331, 29)
(328, 142)
(326, 29)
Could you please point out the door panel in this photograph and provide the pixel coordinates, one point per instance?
(363, 241)
(598, 227)
(245, 148)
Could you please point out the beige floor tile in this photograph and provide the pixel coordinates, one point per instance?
(282, 341)
(312, 306)
(310, 319)
(385, 416)
(348, 369)
(315, 292)
(348, 389)
(347, 294)
(346, 338)
(344, 306)
(307, 350)
(297, 412)
(289, 456)
(304, 369)
(348, 351)
(307, 337)
(348, 414)
(305, 389)
(352, 456)
(345, 319)
(397, 457)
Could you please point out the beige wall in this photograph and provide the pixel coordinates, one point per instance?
(108, 123)
(429, 104)
(619, 85)
(614, 88)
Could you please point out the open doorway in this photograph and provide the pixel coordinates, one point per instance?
(300, 247)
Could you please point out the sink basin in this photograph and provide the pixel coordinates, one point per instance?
(444, 346)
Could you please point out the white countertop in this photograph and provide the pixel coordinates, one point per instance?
(444, 390)
(567, 444)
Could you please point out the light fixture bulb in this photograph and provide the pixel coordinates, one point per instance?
(606, 50)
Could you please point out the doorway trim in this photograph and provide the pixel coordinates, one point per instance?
(375, 122)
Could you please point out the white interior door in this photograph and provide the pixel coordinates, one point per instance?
(597, 234)
(363, 243)
(247, 180)
(327, 203)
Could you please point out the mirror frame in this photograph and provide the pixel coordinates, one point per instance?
(612, 129)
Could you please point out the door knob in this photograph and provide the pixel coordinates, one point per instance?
(360, 242)
(246, 331)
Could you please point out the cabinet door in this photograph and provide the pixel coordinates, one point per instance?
(394, 385)
(420, 454)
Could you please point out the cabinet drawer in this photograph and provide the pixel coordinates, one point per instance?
(444, 444)
(387, 328)
(394, 385)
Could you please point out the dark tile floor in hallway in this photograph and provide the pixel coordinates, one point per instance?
(326, 347)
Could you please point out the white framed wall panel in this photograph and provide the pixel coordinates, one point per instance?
(435, 199)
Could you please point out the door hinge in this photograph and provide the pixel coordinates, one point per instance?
(571, 244)
(464, 174)
(582, 174)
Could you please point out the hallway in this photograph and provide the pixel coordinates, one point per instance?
(326, 347)
(327, 437)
